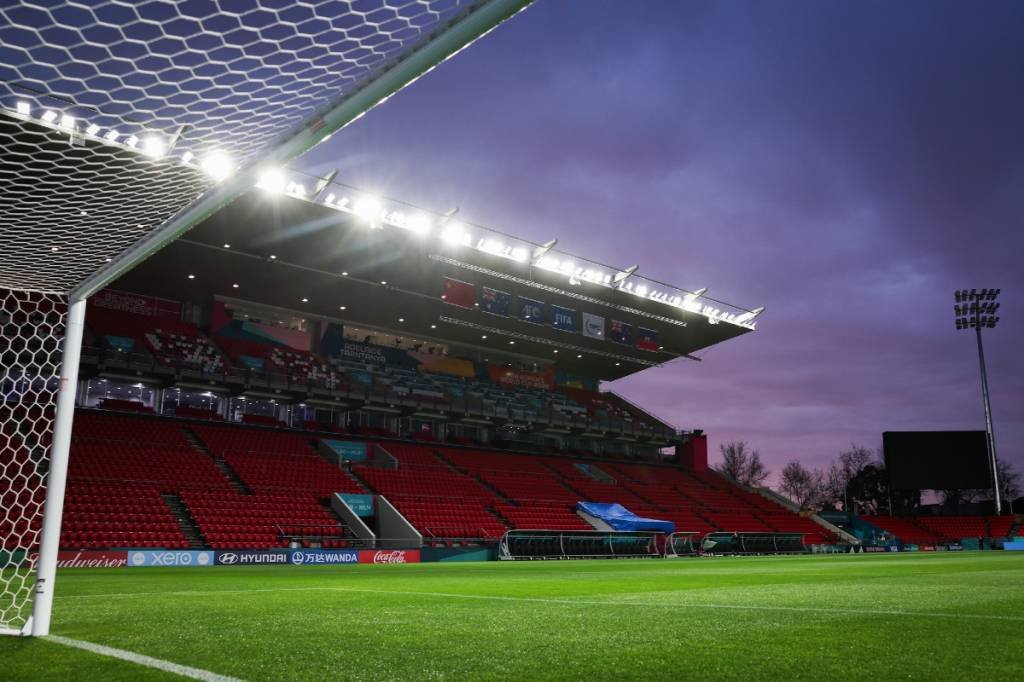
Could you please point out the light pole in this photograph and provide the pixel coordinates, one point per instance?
(977, 310)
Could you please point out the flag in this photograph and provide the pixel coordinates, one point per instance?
(646, 339)
(462, 294)
(620, 332)
(494, 301)
(529, 310)
(593, 326)
(563, 318)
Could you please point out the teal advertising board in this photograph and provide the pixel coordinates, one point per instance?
(350, 451)
(362, 505)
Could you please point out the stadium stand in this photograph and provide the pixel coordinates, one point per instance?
(123, 468)
(906, 529)
(925, 530)
(241, 484)
(298, 365)
(275, 460)
(172, 342)
(439, 501)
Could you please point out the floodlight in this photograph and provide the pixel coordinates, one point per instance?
(749, 315)
(620, 276)
(976, 310)
(448, 215)
(92, 129)
(131, 141)
(367, 208)
(323, 183)
(272, 180)
(153, 146)
(217, 165)
(67, 122)
(24, 108)
(454, 233)
(419, 223)
(49, 116)
(541, 250)
(692, 297)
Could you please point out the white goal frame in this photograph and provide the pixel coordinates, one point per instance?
(479, 17)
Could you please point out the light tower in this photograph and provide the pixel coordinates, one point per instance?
(977, 310)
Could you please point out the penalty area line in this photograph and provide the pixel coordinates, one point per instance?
(143, 660)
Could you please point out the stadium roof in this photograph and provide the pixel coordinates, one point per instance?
(369, 265)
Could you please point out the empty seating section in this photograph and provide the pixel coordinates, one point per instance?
(1000, 526)
(414, 455)
(116, 514)
(230, 520)
(20, 492)
(542, 517)
(450, 518)
(298, 365)
(121, 465)
(186, 412)
(172, 342)
(179, 344)
(440, 502)
(145, 451)
(538, 499)
(275, 461)
(124, 405)
(185, 348)
(935, 529)
(955, 527)
(906, 529)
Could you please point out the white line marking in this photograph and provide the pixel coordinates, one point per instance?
(140, 659)
(572, 602)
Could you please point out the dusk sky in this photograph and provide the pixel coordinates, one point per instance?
(846, 164)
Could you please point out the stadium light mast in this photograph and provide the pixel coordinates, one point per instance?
(977, 310)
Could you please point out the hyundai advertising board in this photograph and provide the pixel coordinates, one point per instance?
(246, 557)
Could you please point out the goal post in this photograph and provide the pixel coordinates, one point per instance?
(101, 167)
(56, 480)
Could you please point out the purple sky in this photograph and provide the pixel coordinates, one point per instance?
(847, 165)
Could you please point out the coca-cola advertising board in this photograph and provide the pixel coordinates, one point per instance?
(389, 556)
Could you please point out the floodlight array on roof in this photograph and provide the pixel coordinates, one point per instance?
(377, 212)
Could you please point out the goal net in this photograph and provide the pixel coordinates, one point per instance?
(121, 126)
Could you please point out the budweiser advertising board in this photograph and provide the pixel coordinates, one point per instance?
(87, 559)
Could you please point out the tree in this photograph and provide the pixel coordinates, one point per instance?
(741, 464)
(869, 493)
(849, 464)
(1009, 488)
(806, 487)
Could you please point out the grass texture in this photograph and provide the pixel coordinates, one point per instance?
(912, 616)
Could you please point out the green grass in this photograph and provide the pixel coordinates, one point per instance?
(919, 616)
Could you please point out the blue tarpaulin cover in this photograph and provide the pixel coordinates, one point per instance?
(620, 518)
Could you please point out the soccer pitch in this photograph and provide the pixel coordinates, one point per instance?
(922, 616)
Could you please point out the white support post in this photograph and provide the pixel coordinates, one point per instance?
(46, 564)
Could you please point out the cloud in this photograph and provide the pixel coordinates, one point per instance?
(845, 164)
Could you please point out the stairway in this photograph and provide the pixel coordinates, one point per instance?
(351, 537)
(236, 481)
(188, 525)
